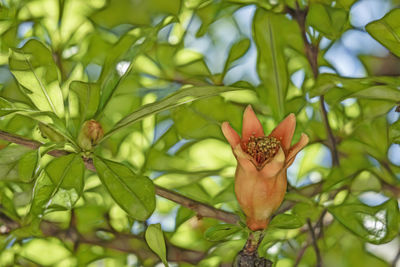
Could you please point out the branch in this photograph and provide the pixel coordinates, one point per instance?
(311, 52)
(320, 225)
(202, 210)
(128, 243)
(314, 242)
(248, 256)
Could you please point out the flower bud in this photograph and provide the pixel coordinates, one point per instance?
(90, 135)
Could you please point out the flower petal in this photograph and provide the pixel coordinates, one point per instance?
(284, 131)
(273, 167)
(296, 149)
(251, 125)
(245, 161)
(230, 134)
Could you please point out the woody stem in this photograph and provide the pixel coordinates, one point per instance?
(248, 256)
(311, 51)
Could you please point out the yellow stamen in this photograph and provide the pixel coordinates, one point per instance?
(262, 148)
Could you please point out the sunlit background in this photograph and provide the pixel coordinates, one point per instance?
(184, 149)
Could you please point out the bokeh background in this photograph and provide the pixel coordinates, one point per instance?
(147, 50)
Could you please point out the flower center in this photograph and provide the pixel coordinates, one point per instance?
(262, 148)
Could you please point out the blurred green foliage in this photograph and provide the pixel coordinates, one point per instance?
(161, 77)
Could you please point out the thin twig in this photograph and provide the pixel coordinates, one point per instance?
(320, 225)
(202, 210)
(331, 137)
(123, 242)
(315, 244)
(311, 52)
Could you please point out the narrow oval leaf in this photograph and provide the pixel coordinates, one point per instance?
(67, 172)
(133, 193)
(237, 51)
(17, 163)
(328, 20)
(386, 31)
(59, 186)
(382, 92)
(221, 231)
(6, 107)
(49, 197)
(377, 224)
(178, 98)
(155, 239)
(34, 68)
(88, 96)
(286, 221)
(271, 63)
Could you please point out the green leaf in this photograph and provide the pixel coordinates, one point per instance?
(155, 239)
(47, 197)
(221, 231)
(67, 172)
(50, 125)
(202, 118)
(286, 221)
(336, 88)
(346, 4)
(379, 93)
(377, 224)
(133, 193)
(27, 165)
(34, 68)
(183, 215)
(328, 20)
(59, 186)
(17, 163)
(7, 206)
(6, 107)
(237, 51)
(48, 132)
(394, 132)
(126, 49)
(387, 31)
(271, 62)
(137, 13)
(178, 98)
(88, 95)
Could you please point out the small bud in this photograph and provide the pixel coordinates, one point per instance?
(90, 135)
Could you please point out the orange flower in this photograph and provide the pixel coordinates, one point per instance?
(260, 179)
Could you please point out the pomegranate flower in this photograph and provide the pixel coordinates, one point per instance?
(260, 179)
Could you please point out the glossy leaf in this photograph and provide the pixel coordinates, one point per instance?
(237, 51)
(181, 97)
(88, 96)
(387, 31)
(328, 20)
(17, 163)
(377, 224)
(286, 221)
(67, 172)
(6, 107)
(221, 231)
(34, 68)
(134, 193)
(271, 62)
(155, 239)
